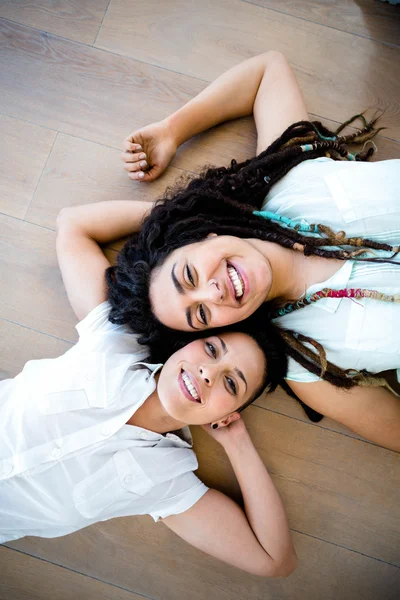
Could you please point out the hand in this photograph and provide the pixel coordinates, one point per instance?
(224, 434)
(149, 151)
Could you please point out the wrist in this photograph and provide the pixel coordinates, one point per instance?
(174, 130)
(237, 442)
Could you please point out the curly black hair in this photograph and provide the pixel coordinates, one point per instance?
(222, 200)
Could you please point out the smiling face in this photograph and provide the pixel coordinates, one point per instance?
(211, 378)
(212, 283)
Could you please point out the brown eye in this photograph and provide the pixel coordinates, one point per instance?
(203, 317)
(232, 385)
(189, 275)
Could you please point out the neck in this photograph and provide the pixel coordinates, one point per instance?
(290, 270)
(152, 416)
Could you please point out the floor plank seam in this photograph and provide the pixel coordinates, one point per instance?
(40, 178)
(45, 560)
(24, 221)
(311, 114)
(37, 330)
(324, 428)
(365, 37)
(101, 24)
(385, 562)
(100, 49)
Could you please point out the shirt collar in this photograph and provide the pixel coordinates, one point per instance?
(338, 281)
(152, 368)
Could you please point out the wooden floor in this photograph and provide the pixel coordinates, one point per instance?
(76, 77)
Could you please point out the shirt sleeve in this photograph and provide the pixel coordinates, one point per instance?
(97, 321)
(97, 333)
(298, 373)
(183, 492)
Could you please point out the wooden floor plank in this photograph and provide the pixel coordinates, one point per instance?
(77, 20)
(283, 404)
(32, 291)
(27, 578)
(81, 172)
(149, 559)
(376, 20)
(19, 344)
(203, 39)
(83, 91)
(60, 91)
(335, 488)
(23, 154)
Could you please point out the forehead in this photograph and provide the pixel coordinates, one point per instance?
(243, 347)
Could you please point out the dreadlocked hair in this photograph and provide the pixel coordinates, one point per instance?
(222, 201)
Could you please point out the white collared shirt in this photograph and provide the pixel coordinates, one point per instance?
(67, 457)
(362, 199)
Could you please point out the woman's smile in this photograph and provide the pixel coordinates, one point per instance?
(189, 387)
(213, 283)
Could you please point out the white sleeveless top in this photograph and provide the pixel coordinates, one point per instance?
(363, 199)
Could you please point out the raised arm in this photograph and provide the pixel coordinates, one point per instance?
(264, 85)
(257, 539)
(80, 231)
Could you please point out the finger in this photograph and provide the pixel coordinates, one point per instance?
(135, 166)
(152, 174)
(130, 146)
(137, 175)
(133, 157)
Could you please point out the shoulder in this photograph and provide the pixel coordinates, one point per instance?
(97, 331)
(342, 195)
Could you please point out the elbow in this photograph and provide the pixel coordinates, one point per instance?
(65, 221)
(63, 217)
(275, 569)
(286, 567)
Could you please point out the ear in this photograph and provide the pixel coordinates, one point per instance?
(228, 420)
(211, 235)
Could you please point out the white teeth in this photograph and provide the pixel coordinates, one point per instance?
(190, 387)
(237, 281)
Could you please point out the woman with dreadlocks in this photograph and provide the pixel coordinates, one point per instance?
(305, 233)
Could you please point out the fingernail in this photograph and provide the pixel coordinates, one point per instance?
(140, 175)
(138, 147)
(214, 426)
(142, 155)
(143, 163)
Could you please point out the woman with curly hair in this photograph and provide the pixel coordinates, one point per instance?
(305, 234)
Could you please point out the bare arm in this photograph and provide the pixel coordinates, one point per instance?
(264, 85)
(257, 539)
(373, 413)
(80, 230)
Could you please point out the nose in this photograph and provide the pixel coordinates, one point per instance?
(207, 374)
(215, 293)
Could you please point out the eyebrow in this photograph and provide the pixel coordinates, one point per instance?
(177, 284)
(237, 371)
(181, 291)
(189, 319)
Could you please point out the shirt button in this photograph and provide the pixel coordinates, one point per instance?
(56, 452)
(128, 478)
(106, 431)
(90, 376)
(145, 436)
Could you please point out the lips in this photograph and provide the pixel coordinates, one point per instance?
(189, 387)
(236, 276)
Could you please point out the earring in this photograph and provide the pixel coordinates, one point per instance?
(214, 425)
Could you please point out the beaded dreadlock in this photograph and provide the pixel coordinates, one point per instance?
(222, 200)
